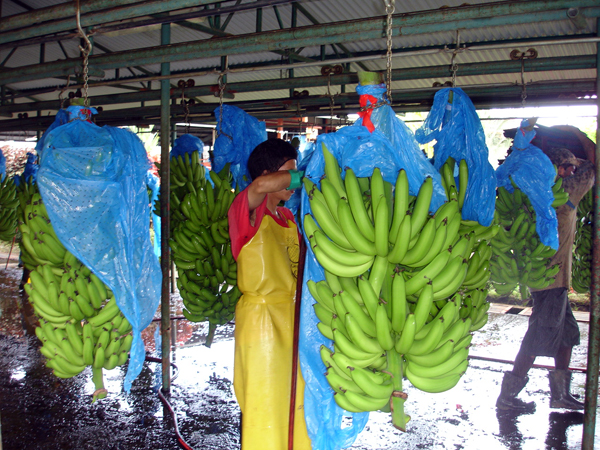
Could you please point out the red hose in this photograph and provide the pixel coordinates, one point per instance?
(301, 257)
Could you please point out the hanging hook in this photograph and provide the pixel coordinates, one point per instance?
(523, 83)
(85, 51)
(389, 9)
(60, 99)
(222, 85)
(453, 64)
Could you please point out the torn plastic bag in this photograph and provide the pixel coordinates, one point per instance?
(93, 183)
(238, 134)
(401, 150)
(453, 122)
(533, 173)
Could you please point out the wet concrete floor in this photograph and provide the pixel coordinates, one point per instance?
(40, 411)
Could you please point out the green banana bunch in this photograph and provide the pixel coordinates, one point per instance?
(8, 209)
(200, 243)
(519, 258)
(80, 323)
(581, 275)
(402, 291)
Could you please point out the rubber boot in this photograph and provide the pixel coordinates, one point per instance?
(560, 387)
(511, 386)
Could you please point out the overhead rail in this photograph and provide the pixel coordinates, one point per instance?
(450, 19)
(414, 73)
(483, 96)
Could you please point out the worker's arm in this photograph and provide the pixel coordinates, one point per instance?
(270, 183)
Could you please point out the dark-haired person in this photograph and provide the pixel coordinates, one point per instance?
(552, 329)
(264, 242)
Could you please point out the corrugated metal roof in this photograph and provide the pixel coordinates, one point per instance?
(243, 23)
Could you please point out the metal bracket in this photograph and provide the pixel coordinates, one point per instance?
(516, 55)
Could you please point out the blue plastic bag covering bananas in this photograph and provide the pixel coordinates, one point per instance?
(153, 183)
(390, 147)
(305, 150)
(30, 170)
(238, 134)
(93, 183)
(533, 173)
(455, 125)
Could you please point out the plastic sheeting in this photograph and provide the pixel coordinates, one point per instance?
(401, 148)
(186, 143)
(93, 183)
(153, 183)
(456, 127)
(305, 151)
(239, 134)
(533, 173)
(2, 165)
(391, 147)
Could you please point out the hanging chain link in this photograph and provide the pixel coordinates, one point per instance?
(186, 111)
(389, 9)
(221, 91)
(60, 99)
(453, 64)
(331, 98)
(523, 83)
(85, 51)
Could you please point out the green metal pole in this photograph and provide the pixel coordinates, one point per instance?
(165, 129)
(489, 15)
(591, 382)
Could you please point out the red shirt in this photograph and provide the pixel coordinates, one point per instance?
(241, 230)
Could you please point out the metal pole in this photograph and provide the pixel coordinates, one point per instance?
(591, 382)
(165, 130)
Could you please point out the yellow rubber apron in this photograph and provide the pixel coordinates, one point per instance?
(264, 322)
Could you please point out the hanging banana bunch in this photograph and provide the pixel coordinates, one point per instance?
(80, 323)
(8, 209)
(200, 243)
(581, 273)
(519, 258)
(402, 291)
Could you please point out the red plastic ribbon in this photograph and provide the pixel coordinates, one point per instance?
(366, 111)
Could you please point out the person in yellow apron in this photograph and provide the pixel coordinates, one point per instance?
(264, 241)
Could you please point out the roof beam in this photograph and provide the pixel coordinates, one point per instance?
(486, 15)
(431, 72)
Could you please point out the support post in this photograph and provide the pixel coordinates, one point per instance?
(165, 130)
(591, 382)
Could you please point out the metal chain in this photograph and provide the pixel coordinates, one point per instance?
(453, 64)
(331, 98)
(389, 9)
(523, 83)
(86, 53)
(186, 111)
(60, 99)
(221, 90)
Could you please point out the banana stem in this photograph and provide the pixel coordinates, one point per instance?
(98, 380)
(399, 419)
(211, 334)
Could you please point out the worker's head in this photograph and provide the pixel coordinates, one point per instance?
(269, 156)
(565, 162)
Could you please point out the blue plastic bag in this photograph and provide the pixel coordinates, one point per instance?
(186, 143)
(239, 134)
(2, 165)
(93, 183)
(30, 170)
(305, 151)
(457, 129)
(533, 173)
(153, 183)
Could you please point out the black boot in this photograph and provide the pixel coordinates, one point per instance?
(560, 387)
(511, 386)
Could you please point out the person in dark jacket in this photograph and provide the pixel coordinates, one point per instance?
(553, 330)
